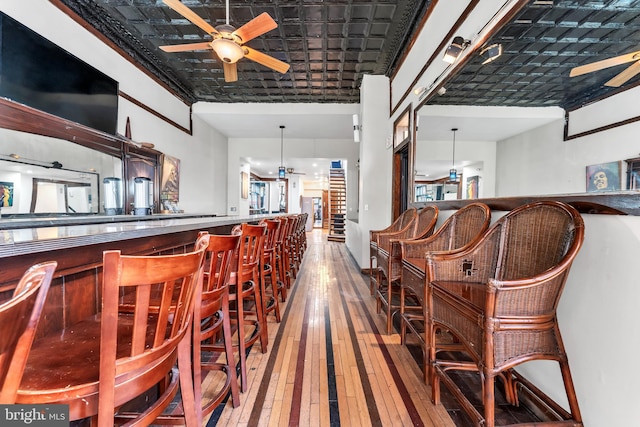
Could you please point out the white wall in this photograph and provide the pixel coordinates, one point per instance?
(375, 168)
(598, 310)
(240, 148)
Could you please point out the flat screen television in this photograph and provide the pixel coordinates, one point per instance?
(40, 74)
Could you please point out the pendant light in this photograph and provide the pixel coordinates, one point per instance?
(281, 169)
(453, 174)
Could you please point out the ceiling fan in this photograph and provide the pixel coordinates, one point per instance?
(228, 42)
(621, 78)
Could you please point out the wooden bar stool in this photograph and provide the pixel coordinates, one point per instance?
(20, 316)
(211, 317)
(287, 249)
(268, 273)
(281, 274)
(245, 282)
(98, 366)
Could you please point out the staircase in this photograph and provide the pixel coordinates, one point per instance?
(337, 204)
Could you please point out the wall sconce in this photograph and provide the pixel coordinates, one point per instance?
(356, 128)
(491, 53)
(455, 48)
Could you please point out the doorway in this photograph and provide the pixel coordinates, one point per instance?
(317, 212)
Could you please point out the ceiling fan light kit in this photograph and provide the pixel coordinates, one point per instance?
(227, 50)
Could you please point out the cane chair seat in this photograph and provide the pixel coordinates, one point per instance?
(498, 298)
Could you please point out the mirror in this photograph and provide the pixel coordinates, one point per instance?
(45, 175)
(436, 155)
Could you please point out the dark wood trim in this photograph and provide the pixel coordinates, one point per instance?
(610, 126)
(606, 203)
(84, 24)
(421, 26)
(22, 118)
(396, 166)
(158, 115)
(419, 29)
(460, 64)
(447, 39)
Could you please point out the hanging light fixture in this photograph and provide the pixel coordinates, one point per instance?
(281, 170)
(453, 173)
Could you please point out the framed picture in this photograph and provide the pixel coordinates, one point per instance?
(604, 177)
(170, 184)
(472, 187)
(6, 194)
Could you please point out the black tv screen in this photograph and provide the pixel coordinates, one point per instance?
(40, 74)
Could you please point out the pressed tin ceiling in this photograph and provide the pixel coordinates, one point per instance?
(331, 44)
(541, 45)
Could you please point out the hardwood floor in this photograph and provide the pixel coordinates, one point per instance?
(367, 379)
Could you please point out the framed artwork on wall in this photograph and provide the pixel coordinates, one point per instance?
(170, 183)
(604, 176)
(472, 187)
(6, 194)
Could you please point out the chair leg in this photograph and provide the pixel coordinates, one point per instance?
(191, 413)
(570, 390)
(403, 327)
(262, 321)
(242, 348)
(488, 400)
(228, 348)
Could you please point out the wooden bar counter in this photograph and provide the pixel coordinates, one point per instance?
(77, 245)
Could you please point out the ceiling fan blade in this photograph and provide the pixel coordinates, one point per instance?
(190, 15)
(256, 27)
(600, 65)
(186, 47)
(624, 76)
(230, 72)
(266, 60)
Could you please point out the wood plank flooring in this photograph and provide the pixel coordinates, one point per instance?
(329, 361)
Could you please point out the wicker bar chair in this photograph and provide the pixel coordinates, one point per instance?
(403, 222)
(463, 228)
(499, 299)
(389, 260)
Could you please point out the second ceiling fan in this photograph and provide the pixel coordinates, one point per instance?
(228, 42)
(623, 77)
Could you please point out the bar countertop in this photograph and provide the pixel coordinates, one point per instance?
(50, 234)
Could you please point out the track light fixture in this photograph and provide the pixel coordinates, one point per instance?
(491, 53)
(458, 44)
